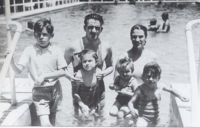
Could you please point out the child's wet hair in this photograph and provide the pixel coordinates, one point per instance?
(165, 15)
(88, 51)
(124, 63)
(153, 21)
(139, 27)
(43, 23)
(154, 67)
(95, 17)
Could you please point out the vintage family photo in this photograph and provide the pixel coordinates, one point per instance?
(100, 63)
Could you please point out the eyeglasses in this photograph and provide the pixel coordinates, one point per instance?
(98, 28)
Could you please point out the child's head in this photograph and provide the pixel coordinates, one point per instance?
(88, 59)
(125, 68)
(165, 16)
(43, 31)
(153, 21)
(151, 73)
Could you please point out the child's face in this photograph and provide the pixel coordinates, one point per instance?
(150, 78)
(43, 38)
(88, 62)
(126, 73)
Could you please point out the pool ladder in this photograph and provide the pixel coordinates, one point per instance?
(194, 76)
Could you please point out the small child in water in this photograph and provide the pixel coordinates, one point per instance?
(88, 95)
(125, 85)
(153, 26)
(147, 96)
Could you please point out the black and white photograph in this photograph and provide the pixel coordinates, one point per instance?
(100, 63)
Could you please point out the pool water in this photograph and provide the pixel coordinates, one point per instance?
(170, 48)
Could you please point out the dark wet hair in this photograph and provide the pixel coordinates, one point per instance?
(123, 64)
(88, 51)
(43, 23)
(95, 17)
(153, 21)
(139, 27)
(153, 67)
(165, 16)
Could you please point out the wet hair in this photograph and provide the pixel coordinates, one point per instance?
(43, 23)
(88, 51)
(152, 67)
(95, 17)
(139, 27)
(165, 16)
(153, 21)
(123, 64)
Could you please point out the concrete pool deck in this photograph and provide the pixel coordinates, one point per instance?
(20, 114)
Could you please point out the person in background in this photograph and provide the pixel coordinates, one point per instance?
(153, 26)
(165, 25)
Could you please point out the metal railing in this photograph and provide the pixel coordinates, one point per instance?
(31, 7)
(6, 65)
(194, 76)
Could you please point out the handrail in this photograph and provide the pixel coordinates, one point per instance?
(6, 65)
(195, 102)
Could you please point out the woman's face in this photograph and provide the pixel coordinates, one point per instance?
(138, 39)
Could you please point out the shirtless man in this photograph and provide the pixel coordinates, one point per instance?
(93, 28)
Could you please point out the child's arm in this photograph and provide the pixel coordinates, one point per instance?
(175, 93)
(17, 68)
(115, 86)
(55, 75)
(134, 111)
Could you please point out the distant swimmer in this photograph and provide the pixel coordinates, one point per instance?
(165, 26)
(153, 26)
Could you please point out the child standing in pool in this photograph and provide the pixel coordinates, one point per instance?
(165, 26)
(147, 95)
(125, 85)
(88, 95)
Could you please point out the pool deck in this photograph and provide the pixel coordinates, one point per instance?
(17, 115)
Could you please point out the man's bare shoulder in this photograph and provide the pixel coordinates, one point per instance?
(73, 46)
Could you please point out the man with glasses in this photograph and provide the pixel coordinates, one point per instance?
(93, 28)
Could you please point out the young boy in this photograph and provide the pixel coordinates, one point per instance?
(88, 95)
(125, 84)
(147, 95)
(45, 64)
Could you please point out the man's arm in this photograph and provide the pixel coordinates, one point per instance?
(69, 52)
(108, 62)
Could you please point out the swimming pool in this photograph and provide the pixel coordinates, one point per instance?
(170, 48)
